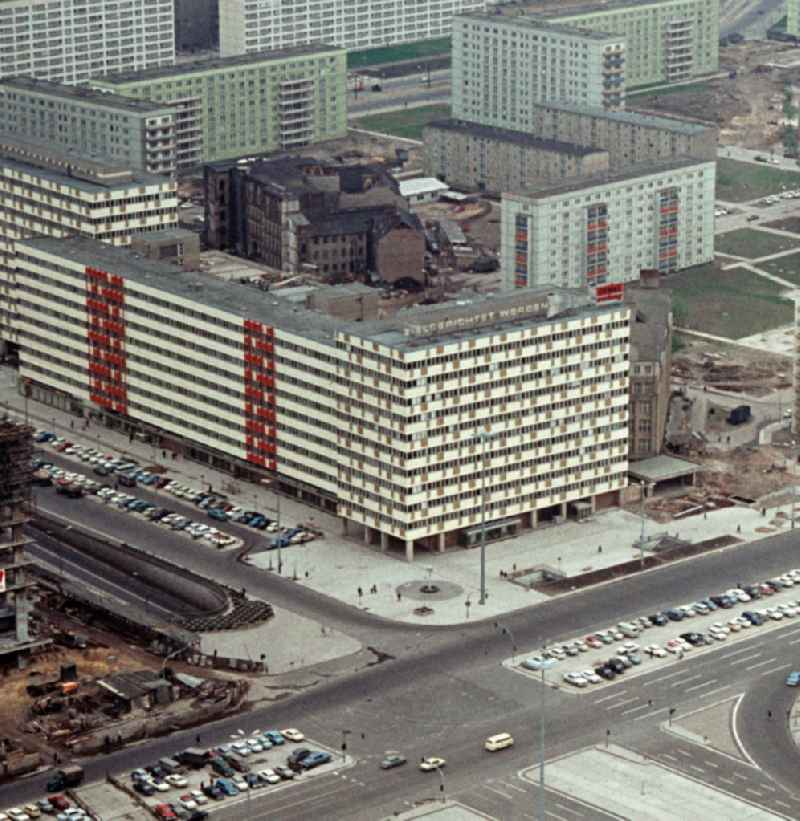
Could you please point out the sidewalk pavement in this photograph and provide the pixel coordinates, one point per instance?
(569, 549)
(444, 811)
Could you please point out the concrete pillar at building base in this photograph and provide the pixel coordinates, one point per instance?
(563, 512)
(366, 534)
(409, 550)
(384, 542)
(534, 519)
(344, 526)
(441, 542)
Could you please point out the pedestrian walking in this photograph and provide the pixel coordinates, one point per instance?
(360, 592)
(599, 548)
(769, 714)
(399, 596)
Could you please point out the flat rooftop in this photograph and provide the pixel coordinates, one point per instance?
(80, 94)
(643, 119)
(661, 469)
(419, 327)
(536, 23)
(565, 8)
(608, 178)
(217, 64)
(489, 132)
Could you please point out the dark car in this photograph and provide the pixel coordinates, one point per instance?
(756, 619)
(253, 781)
(695, 639)
(296, 756)
(221, 767)
(616, 665)
(198, 815)
(753, 591)
(605, 672)
(675, 615)
(626, 662)
(144, 787)
(711, 605)
(392, 760)
(213, 792)
(216, 513)
(658, 619)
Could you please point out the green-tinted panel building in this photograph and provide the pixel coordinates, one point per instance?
(234, 106)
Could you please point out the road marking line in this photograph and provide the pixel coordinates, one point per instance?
(670, 757)
(747, 658)
(622, 703)
(767, 787)
(686, 680)
(752, 791)
(760, 664)
(495, 790)
(712, 764)
(699, 769)
(737, 653)
(714, 692)
(796, 641)
(726, 780)
(736, 738)
(608, 698)
(635, 709)
(739, 775)
(702, 684)
(651, 715)
(685, 752)
(662, 678)
(569, 810)
(514, 787)
(554, 815)
(783, 804)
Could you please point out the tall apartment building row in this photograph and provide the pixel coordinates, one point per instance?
(503, 66)
(71, 41)
(247, 26)
(563, 142)
(513, 406)
(605, 230)
(46, 192)
(277, 100)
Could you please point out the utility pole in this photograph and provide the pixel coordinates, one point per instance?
(482, 599)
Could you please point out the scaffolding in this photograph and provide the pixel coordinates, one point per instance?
(17, 591)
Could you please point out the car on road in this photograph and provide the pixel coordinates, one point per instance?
(793, 679)
(392, 760)
(431, 762)
(293, 734)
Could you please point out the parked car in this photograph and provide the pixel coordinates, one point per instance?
(392, 760)
(315, 759)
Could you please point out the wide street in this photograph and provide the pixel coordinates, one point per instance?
(441, 691)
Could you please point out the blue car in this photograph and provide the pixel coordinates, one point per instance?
(227, 786)
(793, 679)
(315, 759)
(275, 737)
(217, 513)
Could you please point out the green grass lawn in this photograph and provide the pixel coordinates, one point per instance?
(661, 88)
(742, 181)
(402, 51)
(787, 267)
(733, 304)
(751, 243)
(407, 123)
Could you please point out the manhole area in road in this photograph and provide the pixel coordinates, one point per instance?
(429, 591)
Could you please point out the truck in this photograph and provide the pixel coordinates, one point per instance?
(739, 415)
(69, 776)
(194, 757)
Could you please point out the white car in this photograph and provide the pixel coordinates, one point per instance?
(240, 783)
(241, 747)
(198, 797)
(16, 814)
(627, 648)
(734, 625)
(575, 679)
(255, 745)
(788, 610)
(717, 635)
(656, 651)
(187, 802)
(774, 614)
(293, 734)
(429, 763)
(270, 776)
(701, 608)
(176, 780)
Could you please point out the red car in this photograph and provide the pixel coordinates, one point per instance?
(59, 802)
(164, 811)
(63, 446)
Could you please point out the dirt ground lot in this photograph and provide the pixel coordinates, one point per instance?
(747, 108)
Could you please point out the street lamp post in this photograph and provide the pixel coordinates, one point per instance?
(542, 800)
(482, 599)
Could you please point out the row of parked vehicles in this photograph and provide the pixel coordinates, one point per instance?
(127, 473)
(630, 654)
(226, 771)
(57, 806)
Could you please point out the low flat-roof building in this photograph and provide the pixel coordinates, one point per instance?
(417, 428)
(478, 157)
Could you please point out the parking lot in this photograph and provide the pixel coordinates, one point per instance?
(645, 643)
(113, 476)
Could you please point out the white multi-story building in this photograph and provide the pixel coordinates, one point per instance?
(605, 229)
(504, 65)
(73, 40)
(46, 193)
(511, 410)
(257, 25)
